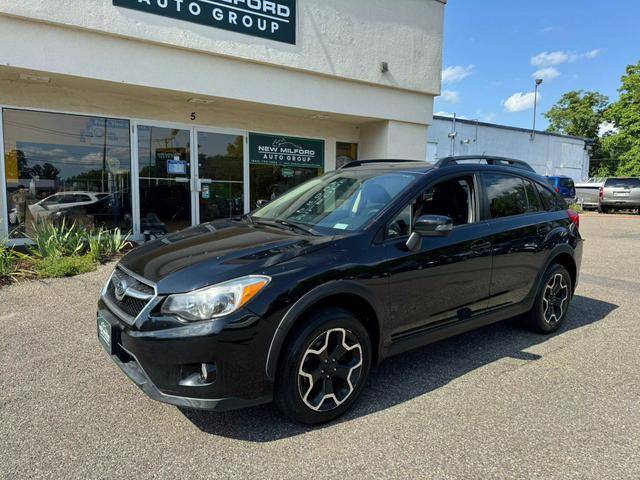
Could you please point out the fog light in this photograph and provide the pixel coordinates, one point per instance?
(198, 375)
(208, 372)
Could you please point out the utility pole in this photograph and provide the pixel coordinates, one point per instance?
(535, 108)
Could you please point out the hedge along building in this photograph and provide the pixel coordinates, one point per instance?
(154, 115)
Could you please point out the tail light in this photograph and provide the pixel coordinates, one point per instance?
(601, 193)
(574, 217)
(557, 189)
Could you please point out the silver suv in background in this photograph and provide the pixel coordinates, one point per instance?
(620, 194)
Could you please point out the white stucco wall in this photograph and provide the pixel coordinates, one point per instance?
(344, 39)
(547, 154)
(393, 140)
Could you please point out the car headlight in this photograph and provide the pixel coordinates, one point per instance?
(215, 301)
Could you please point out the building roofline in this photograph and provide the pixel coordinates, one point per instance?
(508, 127)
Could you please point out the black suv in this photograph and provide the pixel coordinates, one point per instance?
(296, 301)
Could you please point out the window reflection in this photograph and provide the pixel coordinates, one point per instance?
(345, 153)
(61, 166)
(165, 175)
(221, 172)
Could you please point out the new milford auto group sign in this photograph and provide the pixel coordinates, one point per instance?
(275, 20)
(285, 151)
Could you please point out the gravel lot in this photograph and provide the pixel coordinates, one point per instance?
(495, 403)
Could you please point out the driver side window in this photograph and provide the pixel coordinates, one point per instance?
(453, 198)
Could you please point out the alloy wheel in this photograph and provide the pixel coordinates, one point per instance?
(554, 298)
(330, 369)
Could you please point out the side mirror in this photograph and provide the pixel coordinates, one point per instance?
(433, 226)
(429, 226)
(262, 203)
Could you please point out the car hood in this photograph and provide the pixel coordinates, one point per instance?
(214, 252)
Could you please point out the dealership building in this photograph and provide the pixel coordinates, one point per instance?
(153, 115)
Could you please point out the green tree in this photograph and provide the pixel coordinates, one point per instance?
(580, 114)
(625, 115)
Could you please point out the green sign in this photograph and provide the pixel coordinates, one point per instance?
(285, 151)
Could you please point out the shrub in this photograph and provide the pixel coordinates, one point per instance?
(57, 267)
(58, 241)
(103, 244)
(13, 265)
(7, 263)
(576, 207)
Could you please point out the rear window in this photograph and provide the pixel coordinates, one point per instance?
(566, 182)
(623, 182)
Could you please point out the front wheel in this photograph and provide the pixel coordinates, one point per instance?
(324, 367)
(552, 302)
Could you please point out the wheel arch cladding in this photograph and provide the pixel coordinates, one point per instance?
(569, 263)
(354, 303)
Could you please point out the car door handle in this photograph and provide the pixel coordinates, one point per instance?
(480, 246)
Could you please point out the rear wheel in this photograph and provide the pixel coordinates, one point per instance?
(324, 367)
(552, 302)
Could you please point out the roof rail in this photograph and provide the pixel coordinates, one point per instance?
(358, 163)
(491, 160)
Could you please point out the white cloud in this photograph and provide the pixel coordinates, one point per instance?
(456, 73)
(450, 96)
(547, 59)
(550, 59)
(593, 53)
(550, 29)
(519, 102)
(489, 117)
(548, 73)
(449, 114)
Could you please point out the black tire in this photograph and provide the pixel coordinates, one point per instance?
(547, 316)
(290, 378)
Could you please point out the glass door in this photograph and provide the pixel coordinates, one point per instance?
(220, 176)
(164, 163)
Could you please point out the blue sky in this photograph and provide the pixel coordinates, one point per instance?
(494, 47)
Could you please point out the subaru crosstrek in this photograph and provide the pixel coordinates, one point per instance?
(298, 300)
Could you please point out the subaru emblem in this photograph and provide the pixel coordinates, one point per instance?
(120, 288)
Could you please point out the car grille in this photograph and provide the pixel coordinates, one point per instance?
(137, 297)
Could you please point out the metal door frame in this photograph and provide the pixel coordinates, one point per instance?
(194, 180)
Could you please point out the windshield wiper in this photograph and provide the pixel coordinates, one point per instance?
(287, 225)
(298, 226)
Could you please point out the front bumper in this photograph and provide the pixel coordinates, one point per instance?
(161, 361)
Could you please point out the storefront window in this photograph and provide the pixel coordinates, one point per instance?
(71, 167)
(221, 175)
(280, 163)
(345, 153)
(165, 179)
(270, 181)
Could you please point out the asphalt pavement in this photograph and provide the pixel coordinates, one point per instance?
(499, 402)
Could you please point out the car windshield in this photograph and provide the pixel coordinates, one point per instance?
(344, 200)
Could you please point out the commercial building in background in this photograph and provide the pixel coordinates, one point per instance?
(548, 153)
(153, 115)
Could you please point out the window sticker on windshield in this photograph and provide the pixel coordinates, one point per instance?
(341, 226)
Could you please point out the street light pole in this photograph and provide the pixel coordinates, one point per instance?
(535, 108)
